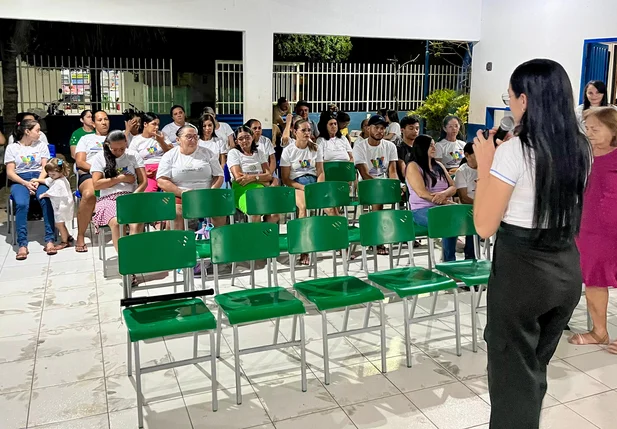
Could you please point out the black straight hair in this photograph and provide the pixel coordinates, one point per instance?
(147, 117)
(250, 122)
(322, 125)
(409, 120)
(302, 103)
(468, 149)
(311, 144)
(110, 159)
(601, 87)
(84, 113)
(20, 130)
(21, 115)
(392, 115)
(548, 130)
(244, 129)
(174, 107)
(420, 148)
(202, 120)
(445, 123)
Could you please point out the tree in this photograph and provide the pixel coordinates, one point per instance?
(438, 105)
(313, 48)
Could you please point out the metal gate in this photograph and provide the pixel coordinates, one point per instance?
(73, 82)
(353, 87)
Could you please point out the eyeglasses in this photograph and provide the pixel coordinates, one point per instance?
(244, 138)
(191, 136)
(505, 97)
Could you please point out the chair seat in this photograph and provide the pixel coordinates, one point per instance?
(338, 292)
(204, 250)
(354, 234)
(161, 319)
(253, 305)
(412, 281)
(470, 271)
(283, 243)
(421, 231)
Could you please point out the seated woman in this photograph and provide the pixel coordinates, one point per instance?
(27, 116)
(209, 139)
(302, 164)
(249, 170)
(334, 146)
(25, 167)
(116, 171)
(450, 148)
(189, 166)
(429, 185)
(151, 145)
(264, 144)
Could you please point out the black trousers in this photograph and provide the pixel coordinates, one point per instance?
(532, 291)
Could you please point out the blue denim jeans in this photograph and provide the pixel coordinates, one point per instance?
(448, 245)
(306, 179)
(21, 198)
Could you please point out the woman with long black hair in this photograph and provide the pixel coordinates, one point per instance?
(595, 94)
(530, 194)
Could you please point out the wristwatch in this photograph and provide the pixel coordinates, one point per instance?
(257, 176)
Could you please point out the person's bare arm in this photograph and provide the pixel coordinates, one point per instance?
(392, 174)
(217, 182)
(168, 186)
(142, 179)
(285, 171)
(415, 180)
(2, 139)
(100, 182)
(321, 176)
(80, 160)
(287, 131)
(464, 196)
(160, 139)
(363, 169)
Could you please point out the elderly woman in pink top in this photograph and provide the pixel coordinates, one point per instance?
(429, 185)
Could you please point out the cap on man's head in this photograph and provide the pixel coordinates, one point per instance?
(377, 120)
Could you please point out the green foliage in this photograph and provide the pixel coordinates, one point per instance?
(440, 104)
(313, 48)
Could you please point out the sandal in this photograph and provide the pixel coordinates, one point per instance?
(381, 250)
(50, 249)
(64, 244)
(304, 259)
(583, 339)
(612, 348)
(81, 249)
(22, 254)
(134, 281)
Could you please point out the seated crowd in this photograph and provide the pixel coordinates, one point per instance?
(181, 157)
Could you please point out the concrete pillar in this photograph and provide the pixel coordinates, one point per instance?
(258, 56)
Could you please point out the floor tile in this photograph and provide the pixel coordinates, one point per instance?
(95, 422)
(599, 409)
(566, 350)
(113, 333)
(17, 304)
(24, 271)
(465, 367)
(562, 417)
(70, 281)
(156, 387)
(20, 347)
(67, 402)
(229, 415)
(423, 373)
(284, 399)
(331, 419)
(600, 365)
(14, 409)
(16, 376)
(452, 406)
(23, 286)
(270, 365)
(369, 344)
(68, 368)
(358, 383)
(114, 357)
(69, 318)
(66, 268)
(480, 387)
(159, 415)
(341, 353)
(55, 343)
(566, 383)
(19, 324)
(394, 412)
(110, 312)
(196, 379)
(74, 297)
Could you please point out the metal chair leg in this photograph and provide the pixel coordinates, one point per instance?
(140, 411)
(293, 328)
(326, 357)
(215, 387)
(129, 355)
(407, 339)
(346, 319)
(219, 328)
(237, 366)
(382, 321)
(303, 353)
(474, 334)
(277, 325)
(195, 344)
(457, 323)
(233, 272)
(367, 314)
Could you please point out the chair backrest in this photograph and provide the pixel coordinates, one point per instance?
(451, 220)
(339, 171)
(201, 203)
(386, 227)
(379, 191)
(325, 195)
(244, 242)
(141, 253)
(317, 234)
(270, 200)
(145, 207)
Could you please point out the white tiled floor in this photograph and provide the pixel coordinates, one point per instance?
(63, 364)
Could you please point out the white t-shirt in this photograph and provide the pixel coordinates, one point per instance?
(466, 177)
(248, 164)
(302, 161)
(27, 159)
(42, 138)
(265, 146)
(148, 148)
(91, 144)
(395, 128)
(224, 130)
(215, 145)
(511, 166)
(128, 163)
(335, 149)
(187, 172)
(377, 158)
(170, 131)
(450, 153)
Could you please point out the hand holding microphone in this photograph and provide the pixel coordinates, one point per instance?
(506, 125)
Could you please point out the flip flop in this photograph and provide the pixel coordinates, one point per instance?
(63, 245)
(579, 339)
(81, 249)
(50, 249)
(22, 256)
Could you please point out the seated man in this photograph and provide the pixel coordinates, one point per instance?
(465, 181)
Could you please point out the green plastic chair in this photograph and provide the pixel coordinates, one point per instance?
(396, 226)
(326, 195)
(329, 233)
(379, 191)
(269, 201)
(339, 171)
(250, 242)
(164, 315)
(456, 220)
(207, 203)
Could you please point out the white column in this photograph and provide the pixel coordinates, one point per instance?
(258, 57)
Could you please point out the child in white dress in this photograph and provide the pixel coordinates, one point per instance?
(61, 197)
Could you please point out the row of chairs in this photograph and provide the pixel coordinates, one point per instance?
(153, 317)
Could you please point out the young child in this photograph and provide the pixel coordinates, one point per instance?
(61, 197)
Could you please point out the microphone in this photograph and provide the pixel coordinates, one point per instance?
(505, 126)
